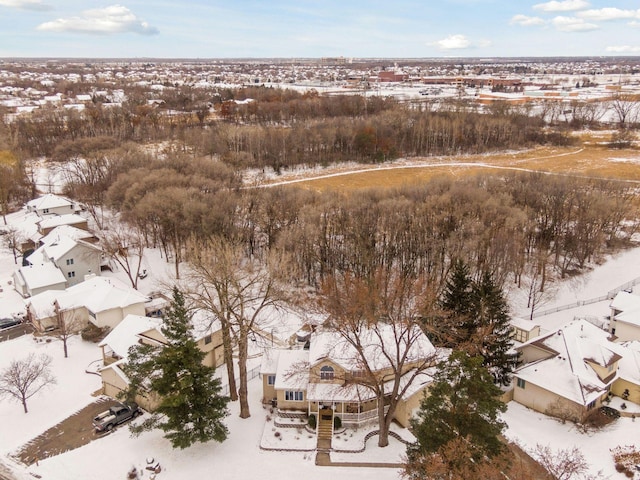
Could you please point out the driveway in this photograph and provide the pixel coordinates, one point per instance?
(69, 434)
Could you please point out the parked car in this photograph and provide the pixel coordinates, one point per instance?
(116, 415)
(9, 322)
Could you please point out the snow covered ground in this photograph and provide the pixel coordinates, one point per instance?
(240, 456)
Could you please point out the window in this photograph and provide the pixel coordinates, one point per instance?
(521, 383)
(46, 210)
(326, 373)
(71, 274)
(207, 340)
(69, 261)
(271, 379)
(294, 396)
(591, 405)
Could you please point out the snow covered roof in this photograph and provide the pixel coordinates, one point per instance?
(57, 220)
(41, 275)
(48, 200)
(624, 301)
(41, 305)
(629, 364)
(331, 345)
(567, 372)
(57, 246)
(67, 231)
(99, 294)
(522, 324)
(125, 334)
(293, 370)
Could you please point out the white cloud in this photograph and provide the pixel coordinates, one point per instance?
(623, 49)
(112, 19)
(562, 6)
(452, 42)
(526, 21)
(25, 4)
(572, 24)
(609, 13)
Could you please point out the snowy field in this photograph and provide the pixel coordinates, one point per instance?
(240, 456)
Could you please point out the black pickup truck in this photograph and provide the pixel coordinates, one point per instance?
(116, 415)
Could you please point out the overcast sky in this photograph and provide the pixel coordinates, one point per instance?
(309, 28)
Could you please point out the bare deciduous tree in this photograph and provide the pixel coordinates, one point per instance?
(563, 464)
(22, 379)
(125, 245)
(388, 306)
(68, 323)
(238, 290)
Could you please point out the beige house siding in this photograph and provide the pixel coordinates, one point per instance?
(531, 353)
(619, 387)
(406, 409)
(338, 373)
(544, 401)
(212, 346)
(603, 372)
(291, 404)
(625, 331)
(268, 391)
(113, 385)
(111, 318)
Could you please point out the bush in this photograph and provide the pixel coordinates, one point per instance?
(337, 423)
(312, 421)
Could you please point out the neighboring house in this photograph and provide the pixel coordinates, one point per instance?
(568, 372)
(625, 316)
(627, 385)
(102, 301)
(74, 258)
(48, 223)
(32, 280)
(51, 204)
(523, 330)
(136, 329)
(326, 379)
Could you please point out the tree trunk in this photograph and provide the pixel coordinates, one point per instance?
(228, 359)
(383, 435)
(24, 405)
(243, 391)
(64, 344)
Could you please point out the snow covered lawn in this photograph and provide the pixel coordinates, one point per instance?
(528, 428)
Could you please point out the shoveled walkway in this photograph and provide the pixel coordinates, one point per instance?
(323, 457)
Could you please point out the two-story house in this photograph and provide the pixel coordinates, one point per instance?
(330, 378)
(137, 329)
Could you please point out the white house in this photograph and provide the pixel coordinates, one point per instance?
(36, 278)
(102, 301)
(74, 258)
(50, 204)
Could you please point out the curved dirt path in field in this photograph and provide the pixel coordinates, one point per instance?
(419, 164)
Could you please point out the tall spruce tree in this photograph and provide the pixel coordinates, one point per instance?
(463, 403)
(491, 315)
(456, 324)
(191, 408)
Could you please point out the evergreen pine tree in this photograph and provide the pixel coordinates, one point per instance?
(191, 407)
(462, 403)
(457, 324)
(490, 311)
